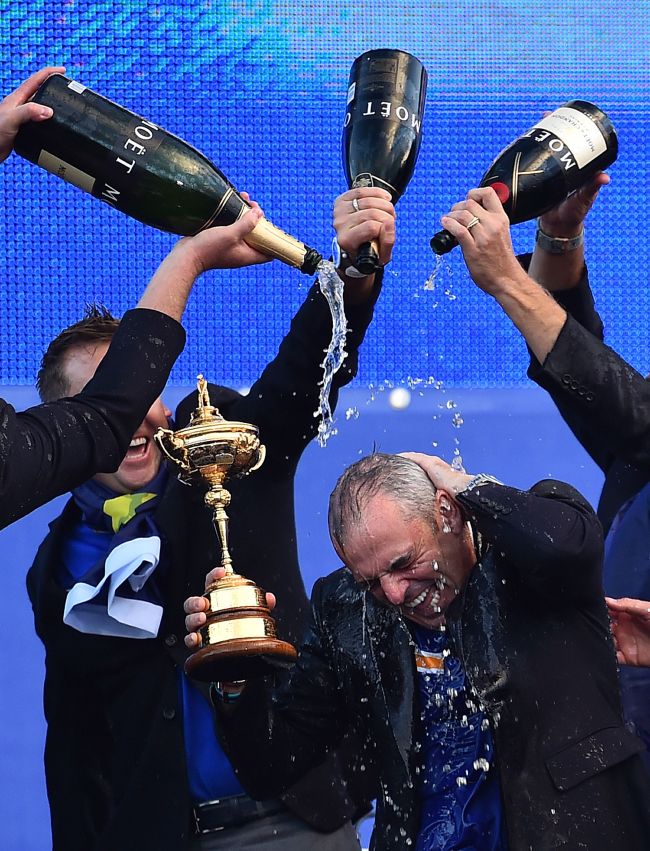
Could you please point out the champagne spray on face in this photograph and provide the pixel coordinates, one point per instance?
(136, 167)
(549, 162)
(382, 129)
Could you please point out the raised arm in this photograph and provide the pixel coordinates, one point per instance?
(579, 370)
(53, 447)
(550, 533)
(283, 401)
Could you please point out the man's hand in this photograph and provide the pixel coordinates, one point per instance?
(557, 272)
(224, 247)
(362, 215)
(196, 607)
(567, 219)
(15, 109)
(631, 630)
(214, 248)
(486, 245)
(441, 474)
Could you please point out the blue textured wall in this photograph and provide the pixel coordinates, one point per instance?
(260, 88)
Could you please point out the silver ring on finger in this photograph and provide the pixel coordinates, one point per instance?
(475, 221)
(355, 206)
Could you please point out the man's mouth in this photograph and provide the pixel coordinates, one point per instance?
(137, 448)
(432, 593)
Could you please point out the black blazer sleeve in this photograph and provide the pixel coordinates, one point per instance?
(603, 400)
(549, 534)
(51, 448)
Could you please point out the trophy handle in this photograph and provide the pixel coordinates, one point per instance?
(261, 455)
(173, 448)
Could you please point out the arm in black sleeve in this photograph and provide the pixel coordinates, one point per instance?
(549, 534)
(51, 448)
(579, 304)
(602, 398)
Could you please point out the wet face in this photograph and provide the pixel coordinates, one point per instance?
(143, 457)
(406, 563)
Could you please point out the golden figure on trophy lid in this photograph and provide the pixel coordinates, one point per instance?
(239, 639)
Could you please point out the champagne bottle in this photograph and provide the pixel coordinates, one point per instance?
(383, 127)
(141, 170)
(540, 169)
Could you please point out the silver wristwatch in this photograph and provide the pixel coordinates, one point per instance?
(480, 479)
(344, 262)
(558, 244)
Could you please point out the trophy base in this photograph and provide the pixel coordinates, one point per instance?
(241, 659)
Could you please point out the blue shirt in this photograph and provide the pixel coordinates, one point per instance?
(456, 779)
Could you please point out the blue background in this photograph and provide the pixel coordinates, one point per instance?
(260, 87)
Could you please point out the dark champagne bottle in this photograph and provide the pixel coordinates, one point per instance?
(383, 127)
(141, 170)
(549, 162)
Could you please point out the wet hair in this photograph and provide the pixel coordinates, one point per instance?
(398, 478)
(97, 326)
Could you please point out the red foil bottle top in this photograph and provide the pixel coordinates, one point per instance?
(503, 193)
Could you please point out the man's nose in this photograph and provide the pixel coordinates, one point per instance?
(393, 588)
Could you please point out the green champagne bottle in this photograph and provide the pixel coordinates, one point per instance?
(141, 170)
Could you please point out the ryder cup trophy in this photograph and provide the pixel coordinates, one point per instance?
(239, 639)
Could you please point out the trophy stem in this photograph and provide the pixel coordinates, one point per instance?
(217, 498)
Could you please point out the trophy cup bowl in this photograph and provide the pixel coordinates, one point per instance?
(239, 639)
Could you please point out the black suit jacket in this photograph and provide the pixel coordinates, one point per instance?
(531, 629)
(115, 759)
(603, 400)
(51, 448)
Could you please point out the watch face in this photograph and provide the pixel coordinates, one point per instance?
(336, 253)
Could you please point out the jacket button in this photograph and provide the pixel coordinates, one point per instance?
(573, 384)
(171, 640)
(590, 396)
(169, 713)
(566, 378)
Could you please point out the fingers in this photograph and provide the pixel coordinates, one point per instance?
(629, 606)
(195, 608)
(215, 574)
(429, 463)
(487, 198)
(365, 196)
(30, 86)
(248, 221)
(270, 600)
(363, 215)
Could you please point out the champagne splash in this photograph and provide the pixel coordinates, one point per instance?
(332, 288)
(438, 263)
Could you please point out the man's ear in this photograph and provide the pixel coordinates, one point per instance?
(448, 512)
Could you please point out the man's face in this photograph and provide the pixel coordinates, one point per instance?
(408, 564)
(143, 457)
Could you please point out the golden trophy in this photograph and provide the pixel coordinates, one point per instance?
(239, 639)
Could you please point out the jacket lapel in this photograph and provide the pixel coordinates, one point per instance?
(393, 660)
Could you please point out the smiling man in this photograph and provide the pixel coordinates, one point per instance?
(466, 642)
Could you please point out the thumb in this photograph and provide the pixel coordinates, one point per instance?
(27, 112)
(248, 221)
